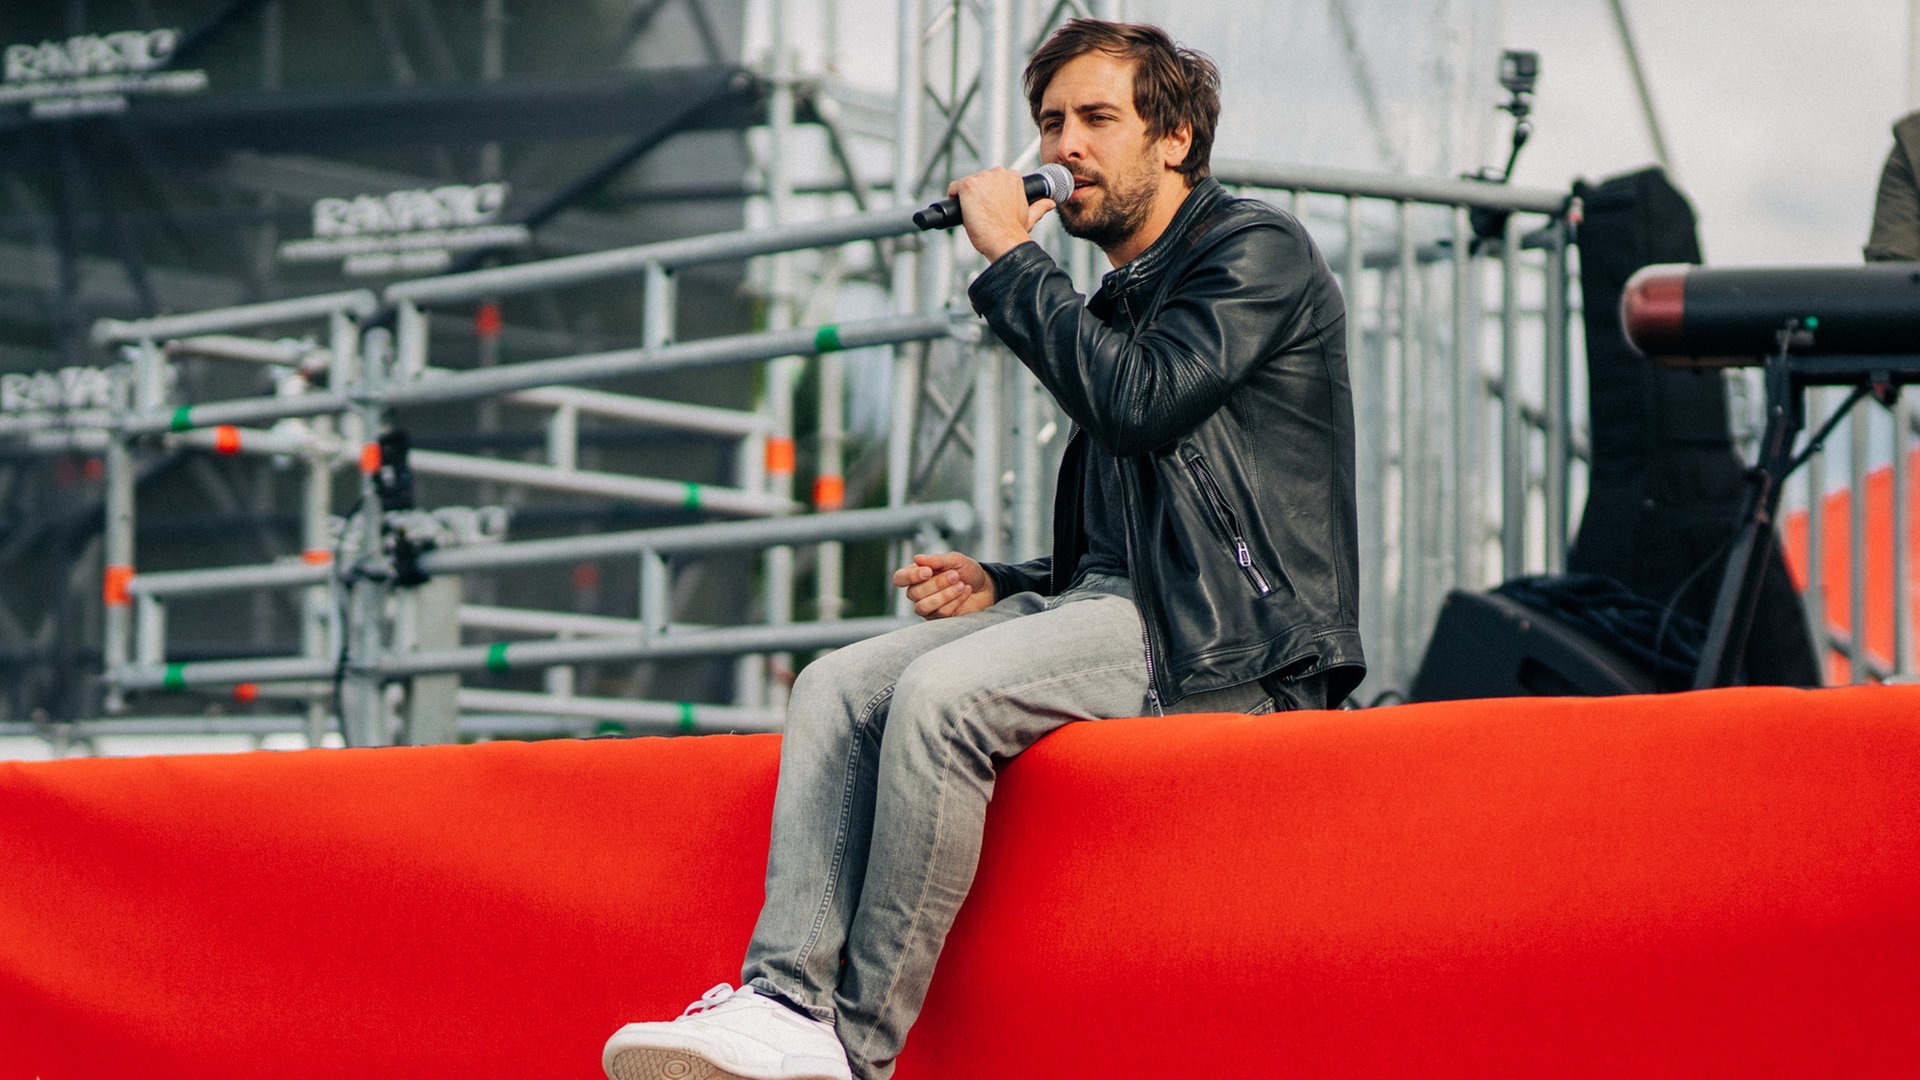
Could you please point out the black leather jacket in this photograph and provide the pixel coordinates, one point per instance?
(1213, 367)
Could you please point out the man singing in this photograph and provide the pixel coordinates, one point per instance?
(1203, 561)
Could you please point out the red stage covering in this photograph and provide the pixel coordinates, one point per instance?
(1836, 532)
(1724, 883)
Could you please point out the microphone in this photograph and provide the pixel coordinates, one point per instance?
(1732, 316)
(1051, 182)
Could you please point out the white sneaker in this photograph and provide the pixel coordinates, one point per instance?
(728, 1035)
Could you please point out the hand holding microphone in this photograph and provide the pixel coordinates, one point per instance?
(1051, 182)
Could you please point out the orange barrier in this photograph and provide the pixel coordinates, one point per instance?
(1836, 561)
(1721, 883)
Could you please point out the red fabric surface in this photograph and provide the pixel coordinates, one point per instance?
(483, 911)
(1719, 884)
(1724, 883)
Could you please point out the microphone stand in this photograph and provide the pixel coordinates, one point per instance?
(1746, 568)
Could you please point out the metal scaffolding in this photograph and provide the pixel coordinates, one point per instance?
(178, 203)
(384, 554)
(1459, 339)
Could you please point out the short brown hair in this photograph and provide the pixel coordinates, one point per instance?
(1172, 84)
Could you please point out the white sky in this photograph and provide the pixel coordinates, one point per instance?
(1777, 112)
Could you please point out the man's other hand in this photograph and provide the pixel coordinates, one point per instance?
(995, 212)
(945, 585)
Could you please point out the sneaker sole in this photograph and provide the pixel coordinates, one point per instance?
(639, 1064)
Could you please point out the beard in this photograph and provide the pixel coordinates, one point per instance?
(1128, 201)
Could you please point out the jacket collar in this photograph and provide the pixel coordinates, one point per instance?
(1195, 208)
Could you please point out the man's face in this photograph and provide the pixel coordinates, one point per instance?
(1088, 124)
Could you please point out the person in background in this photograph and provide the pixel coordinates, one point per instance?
(1896, 209)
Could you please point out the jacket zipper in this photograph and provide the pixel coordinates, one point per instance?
(1153, 690)
(1228, 521)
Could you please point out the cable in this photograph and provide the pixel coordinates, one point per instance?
(1671, 607)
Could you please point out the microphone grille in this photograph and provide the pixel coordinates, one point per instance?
(1059, 182)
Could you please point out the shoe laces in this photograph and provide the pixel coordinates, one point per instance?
(719, 995)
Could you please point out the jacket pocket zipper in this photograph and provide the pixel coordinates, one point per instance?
(1229, 521)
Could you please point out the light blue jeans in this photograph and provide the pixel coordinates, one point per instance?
(886, 768)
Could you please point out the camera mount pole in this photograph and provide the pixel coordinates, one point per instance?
(1519, 73)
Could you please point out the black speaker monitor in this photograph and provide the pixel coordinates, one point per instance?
(1491, 646)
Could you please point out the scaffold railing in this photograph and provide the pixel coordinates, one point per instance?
(1390, 292)
(1467, 384)
(1463, 365)
(368, 371)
